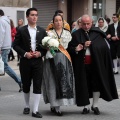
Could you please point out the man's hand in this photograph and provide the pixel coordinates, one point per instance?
(36, 54)
(115, 38)
(87, 43)
(29, 55)
(108, 36)
(79, 47)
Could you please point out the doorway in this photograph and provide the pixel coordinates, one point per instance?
(98, 9)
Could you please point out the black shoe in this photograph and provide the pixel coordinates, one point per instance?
(96, 110)
(12, 59)
(37, 115)
(85, 111)
(52, 109)
(21, 88)
(58, 113)
(26, 111)
(115, 72)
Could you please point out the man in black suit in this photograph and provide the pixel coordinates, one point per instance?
(27, 45)
(113, 34)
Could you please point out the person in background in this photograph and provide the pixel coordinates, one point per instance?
(92, 66)
(58, 78)
(27, 45)
(108, 20)
(113, 35)
(73, 24)
(13, 33)
(20, 24)
(5, 46)
(102, 24)
(77, 26)
(65, 24)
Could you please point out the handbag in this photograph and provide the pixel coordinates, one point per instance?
(2, 70)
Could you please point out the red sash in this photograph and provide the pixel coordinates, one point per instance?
(87, 59)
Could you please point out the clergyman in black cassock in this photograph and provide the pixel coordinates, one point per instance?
(95, 78)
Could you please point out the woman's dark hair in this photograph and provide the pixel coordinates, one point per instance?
(108, 20)
(1, 13)
(11, 23)
(71, 24)
(100, 19)
(29, 10)
(55, 16)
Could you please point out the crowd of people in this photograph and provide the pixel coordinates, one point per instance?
(6, 38)
(80, 69)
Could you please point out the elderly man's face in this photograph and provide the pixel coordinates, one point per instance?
(86, 23)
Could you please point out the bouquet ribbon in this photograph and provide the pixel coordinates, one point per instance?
(64, 51)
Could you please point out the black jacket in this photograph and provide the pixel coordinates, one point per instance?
(111, 30)
(22, 42)
(101, 63)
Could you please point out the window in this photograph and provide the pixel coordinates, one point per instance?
(20, 15)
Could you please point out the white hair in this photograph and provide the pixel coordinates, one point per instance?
(86, 16)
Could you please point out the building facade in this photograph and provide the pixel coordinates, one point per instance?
(15, 9)
(72, 9)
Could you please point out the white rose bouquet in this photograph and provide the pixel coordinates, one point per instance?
(52, 44)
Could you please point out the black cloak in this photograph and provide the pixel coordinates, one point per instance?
(101, 62)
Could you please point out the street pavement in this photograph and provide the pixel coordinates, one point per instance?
(12, 104)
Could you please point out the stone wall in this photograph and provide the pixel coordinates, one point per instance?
(15, 3)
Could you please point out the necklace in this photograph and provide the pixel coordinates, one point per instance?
(59, 36)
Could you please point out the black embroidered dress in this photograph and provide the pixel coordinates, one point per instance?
(58, 77)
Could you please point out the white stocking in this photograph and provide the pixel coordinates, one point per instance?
(96, 96)
(27, 99)
(87, 106)
(36, 102)
(119, 63)
(115, 65)
(57, 108)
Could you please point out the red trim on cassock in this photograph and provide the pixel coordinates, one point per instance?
(87, 59)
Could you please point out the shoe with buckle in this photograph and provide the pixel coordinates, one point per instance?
(85, 111)
(26, 111)
(95, 110)
(52, 109)
(58, 113)
(37, 115)
(115, 72)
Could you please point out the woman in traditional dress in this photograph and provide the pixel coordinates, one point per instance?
(102, 24)
(58, 77)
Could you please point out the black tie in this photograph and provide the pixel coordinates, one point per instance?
(87, 35)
